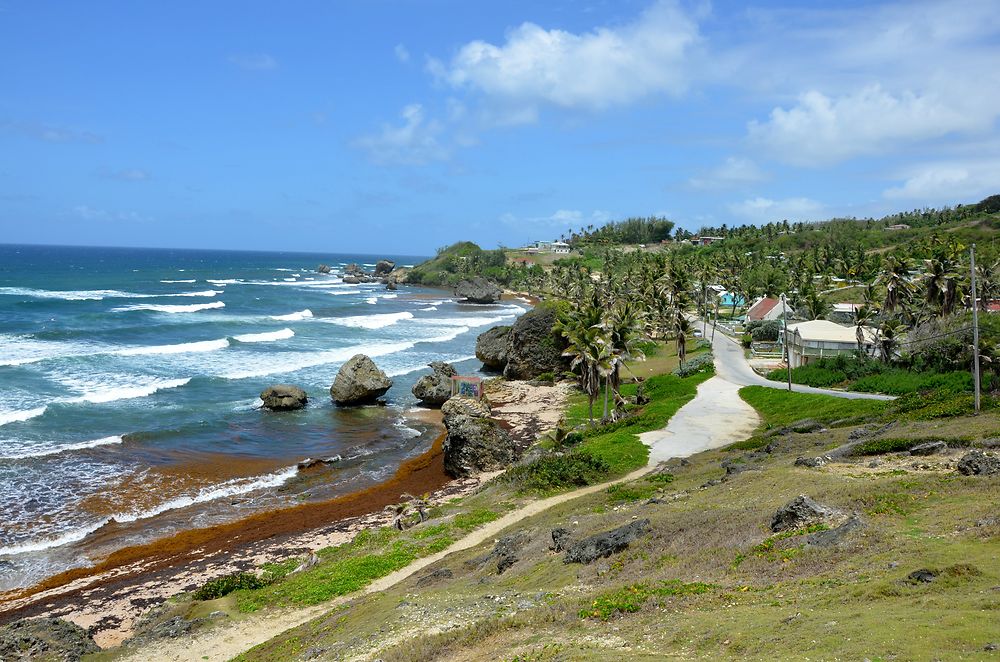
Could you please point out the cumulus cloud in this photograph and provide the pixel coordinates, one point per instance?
(402, 54)
(414, 142)
(820, 130)
(254, 61)
(734, 172)
(561, 217)
(946, 182)
(765, 210)
(591, 70)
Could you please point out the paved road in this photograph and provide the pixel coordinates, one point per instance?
(731, 365)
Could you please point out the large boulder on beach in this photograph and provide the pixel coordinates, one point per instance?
(491, 348)
(283, 397)
(533, 346)
(358, 382)
(45, 639)
(478, 290)
(802, 511)
(351, 280)
(474, 442)
(384, 267)
(435, 388)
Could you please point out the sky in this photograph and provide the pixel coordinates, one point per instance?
(399, 127)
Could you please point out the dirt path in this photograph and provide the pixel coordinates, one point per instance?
(712, 419)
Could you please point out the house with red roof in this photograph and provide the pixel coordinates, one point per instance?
(766, 308)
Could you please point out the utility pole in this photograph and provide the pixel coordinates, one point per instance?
(975, 325)
(715, 320)
(788, 353)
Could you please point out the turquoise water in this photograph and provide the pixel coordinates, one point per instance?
(129, 382)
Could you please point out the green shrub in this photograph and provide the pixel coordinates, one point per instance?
(553, 472)
(222, 586)
(545, 377)
(629, 599)
(882, 446)
(700, 363)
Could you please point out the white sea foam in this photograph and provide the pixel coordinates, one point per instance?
(293, 317)
(276, 364)
(289, 280)
(18, 416)
(343, 292)
(372, 300)
(464, 320)
(370, 321)
(428, 309)
(387, 296)
(450, 335)
(114, 393)
(158, 308)
(45, 450)
(181, 348)
(224, 490)
(95, 295)
(223, 281)
(189, 280)
(283, 334)
(203, 293)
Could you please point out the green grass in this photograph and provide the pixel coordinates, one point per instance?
(630, 599)
(779, 408)
(870, 376)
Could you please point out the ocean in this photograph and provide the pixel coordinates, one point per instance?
(129, 382)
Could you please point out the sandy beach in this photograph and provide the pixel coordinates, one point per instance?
(112, 595)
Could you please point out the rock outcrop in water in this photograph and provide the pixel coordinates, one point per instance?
(474, 442)
(533, 347)
(491, 348)
(323, 269)
(434, 389)
(283, 397)
(45, 639)
(358, 382)
(478, 290)
(384, 267)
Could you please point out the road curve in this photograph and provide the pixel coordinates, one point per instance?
(731, 365)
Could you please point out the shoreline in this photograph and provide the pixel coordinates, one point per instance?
(111, 595)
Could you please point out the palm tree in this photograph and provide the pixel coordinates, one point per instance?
(624, 327)
(816, 306)
(682, 327)
(889, 338)
(895, 278)
(862, 316)
(589, 350)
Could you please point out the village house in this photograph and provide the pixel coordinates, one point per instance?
(818, 339)
(764, 309)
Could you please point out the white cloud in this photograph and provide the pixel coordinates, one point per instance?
(88, 213)
(254, 61)
(593, 70)
(765, 210)
(570, 218)
(949, 182)
(820, 130)
(734, 172)
(51, 133)
(415, 142)
(402, 54)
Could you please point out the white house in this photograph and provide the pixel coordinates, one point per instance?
(560, 247)
(816, 339)
(764, 309)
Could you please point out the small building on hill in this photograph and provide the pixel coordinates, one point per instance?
(765, 308)
(819, 339)
(560, 247)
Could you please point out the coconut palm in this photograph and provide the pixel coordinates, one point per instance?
(888, 339)
(682, 328)
(895, 278)
(588, 349)
(816, 307)
(862, 316)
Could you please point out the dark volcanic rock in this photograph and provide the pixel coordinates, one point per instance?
(283, 397)
(384, 267)
(922, 576)
(605, 544)
(478, 290)
(560, 539)
(474, 442)
(353, 268)
(803, 511)
(323, 269)
(533, 347)
(491, 348)
(351, 280)
(811, 462)
(930, 448)
(434, 577)
(978, 463)
(832, 537)
(806, 425)
(359, 381)
(309, 462)
(391, 286)
(435, 388)
(45, 639)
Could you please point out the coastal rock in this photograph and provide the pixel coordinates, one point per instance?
(560, 539)
(505, 551)
(474, 442)
(384, 267)
(491, 348)
(283, 397)
(803, 511)
(833, 537)
(323, 269)
(359, 381)
(45, 639)
(929, 448)
(978, 463)
(811, 462)
(922, 576)
(533, 347)
(354, 269)
(391, 286)
(351, 280)
(478, 290)
(806, 425)
(605, 544)
(435, 388)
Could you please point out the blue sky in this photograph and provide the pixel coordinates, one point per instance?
(401, 126)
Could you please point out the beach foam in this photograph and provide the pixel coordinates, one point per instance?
(63, 448)
(114, 393)
(189, 280)
(293, 317)
(370, 321)
(181, 348)
(294, 361)
(157, 308)
(19, 416)
(272, 336)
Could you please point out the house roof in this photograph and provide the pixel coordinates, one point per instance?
(846, 307)
(762, 308)
(825, 330)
